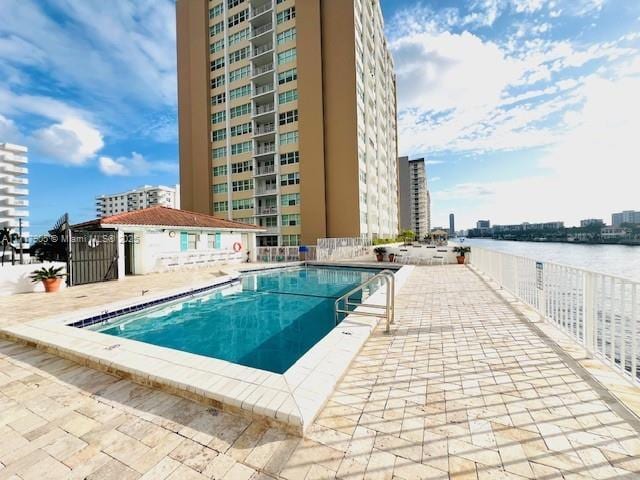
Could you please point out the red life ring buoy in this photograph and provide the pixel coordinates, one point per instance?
(237, 247)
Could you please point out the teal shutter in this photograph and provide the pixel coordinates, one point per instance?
(218, 240)
(184, 241)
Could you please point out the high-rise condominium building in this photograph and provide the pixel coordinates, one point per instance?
(627, 216)
(137, 199)
(415, 200)
(287, 115)
(452, 224)
(13, 188)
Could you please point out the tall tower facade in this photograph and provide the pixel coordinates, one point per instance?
(14, 189)
(287, 113)
(415, 200)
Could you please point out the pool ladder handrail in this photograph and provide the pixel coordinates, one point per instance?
(389, 307)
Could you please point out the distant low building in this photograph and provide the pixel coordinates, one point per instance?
(138, 199)
(523, 227)
(590, 222)
(630, 217)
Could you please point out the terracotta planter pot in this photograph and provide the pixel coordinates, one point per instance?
(392, 257)
(51, 284)
(379, 257)
(460, 259)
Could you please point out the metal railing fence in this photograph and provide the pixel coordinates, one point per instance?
(330, 249)
(598, 310)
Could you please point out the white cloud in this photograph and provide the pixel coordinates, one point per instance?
(8, 131)
(136, 165)
(72, 141)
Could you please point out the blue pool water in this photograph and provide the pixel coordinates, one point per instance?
(267, 321)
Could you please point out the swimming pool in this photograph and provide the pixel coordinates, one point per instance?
(267, 320)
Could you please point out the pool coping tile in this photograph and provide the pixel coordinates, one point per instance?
(291, 400)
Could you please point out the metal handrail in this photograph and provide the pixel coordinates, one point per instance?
(389, 307)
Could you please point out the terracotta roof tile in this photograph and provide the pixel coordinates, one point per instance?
(169, 217)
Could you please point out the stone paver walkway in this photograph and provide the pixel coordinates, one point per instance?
(462, 389)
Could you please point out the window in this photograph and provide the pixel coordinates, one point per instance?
(290, 199)
(234, 3)
(218, 135)
(215, 10)
(290, 179)
(290, 240)
(214, 240)
(218, 99)
(287, 56)
(238, 18)
(216, 46)
(288, 117)
(289, 158)
(241, 129)
(240, 167)
(288, 138)
(215, 29)
(192, 241)
(243, 147)
(243, 204)
(239, 36)
(239, 92)
(219, 153)
(221, 206)
(240, 110)
(291, 220)
(288, 96)
(239, 73)
(218, 117)
(239, 54)
(217, 81)
(217, 64)
(220, 188)
(242, 185)
(287, 76)
(220, 170)
(286, 14)
(287, 35)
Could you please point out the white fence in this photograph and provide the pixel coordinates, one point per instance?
(598, 310)
(330, 249)
(285, 254)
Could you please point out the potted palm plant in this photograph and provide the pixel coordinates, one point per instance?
(461, 251)
(50, 277)
(380, 251)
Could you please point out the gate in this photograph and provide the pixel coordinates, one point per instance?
(93, 256)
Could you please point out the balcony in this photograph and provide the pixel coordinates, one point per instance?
(264, 129)
(262, 90)
(261, 9)
(12, 157)
(261, 70)
(267, 210)
(268, 230)
(262, 190)
(265, 170)
(262, 49)
(13, 169)
(261, 30)
(17, 180)
(264, 149)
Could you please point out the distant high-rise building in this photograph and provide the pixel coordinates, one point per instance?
(13, 188)
(415, 201)
(627, 216)
(287, 117)
(452, 225)
(137, 199)
(482, 224)
(591, 222)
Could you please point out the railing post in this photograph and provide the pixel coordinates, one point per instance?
(588, 296)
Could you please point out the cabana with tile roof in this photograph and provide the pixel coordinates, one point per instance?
(161, 238)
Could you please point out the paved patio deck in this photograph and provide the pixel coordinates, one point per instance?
(464, 388)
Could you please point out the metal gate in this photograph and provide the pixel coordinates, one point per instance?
(93, 256)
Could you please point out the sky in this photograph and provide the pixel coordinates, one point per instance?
(526, 110)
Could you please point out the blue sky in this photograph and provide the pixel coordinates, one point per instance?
(524, 109)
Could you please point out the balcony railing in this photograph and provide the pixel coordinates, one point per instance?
(266, 170)
(262, 48)
(263, 89)
(267, 211)
(14, 169)
(255, 11)
(600, 311)
(265, 148)
(262, 69)
(266, 191)
(269, 229)
(262, 129)
(264, 109)
(261, 29)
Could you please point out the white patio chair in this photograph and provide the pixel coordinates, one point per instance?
(437, 258)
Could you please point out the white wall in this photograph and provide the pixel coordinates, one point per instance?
(423, 252)
(15, 278)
